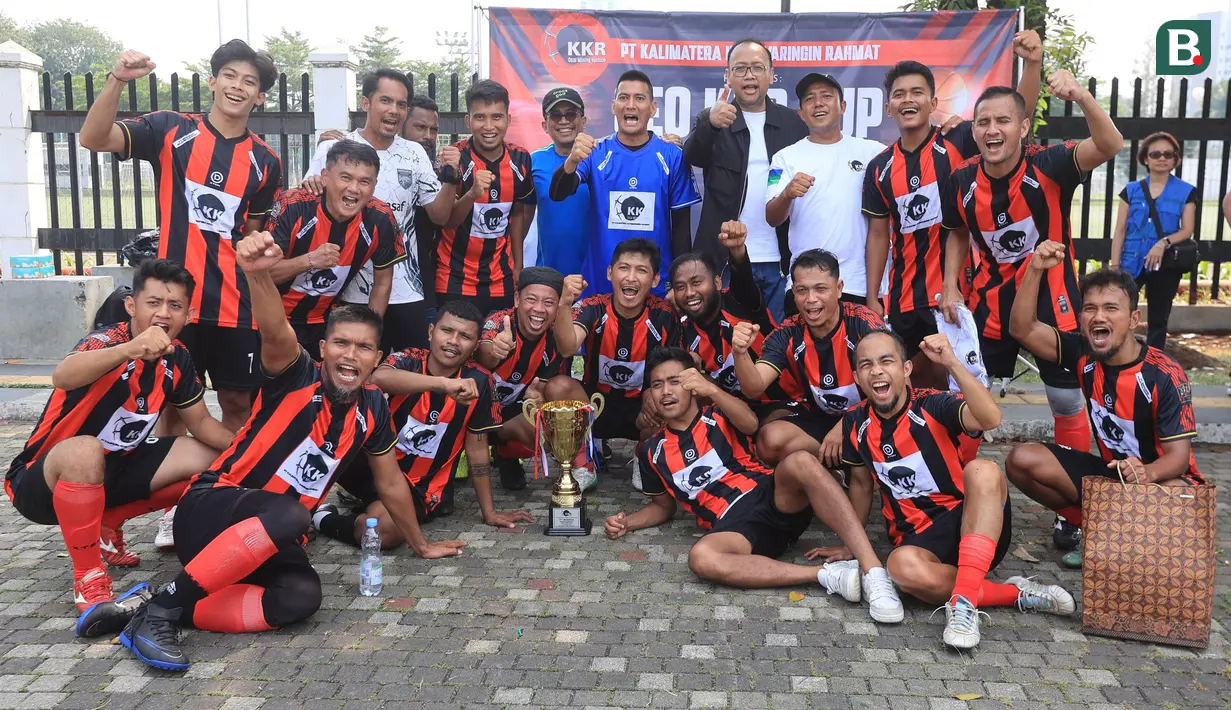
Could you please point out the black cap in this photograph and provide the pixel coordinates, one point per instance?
(562, 94)
(817, 78)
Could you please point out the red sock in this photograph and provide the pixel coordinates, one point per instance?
(159, 499)
(233, 555)
(974, 558)
(996, 594)
(236, 609)
(1072, 514)
(1073, 431)
(79, 508)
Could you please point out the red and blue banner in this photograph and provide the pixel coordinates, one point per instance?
(684, 54)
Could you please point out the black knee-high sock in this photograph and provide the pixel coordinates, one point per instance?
(339, 527)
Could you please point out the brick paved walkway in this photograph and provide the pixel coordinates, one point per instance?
(523, 620)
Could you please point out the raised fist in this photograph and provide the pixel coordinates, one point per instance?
(132, 65)
(574, 286)
(1047, 255)
(257, 252)
(799, 185)
(450, 156)
(326, 256)
(696, 383)
(482, 181)
(722, 114)
(732, 234)
(742, 336)
(151, 344)
(1028, 46)
(582, 148)
(1064, 87)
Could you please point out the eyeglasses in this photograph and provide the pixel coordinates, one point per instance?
(741, 70)
(557, 116)
(1161, 154)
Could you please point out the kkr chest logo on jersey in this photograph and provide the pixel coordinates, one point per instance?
(620, 374)
(920, 209)
(693, 478)
(210, 209)
(506, 392)
(633, 211)
(322, 282)
(725, 376)
(1116, 433)
(908, 477)
(308, 469)
(1014, 242)
(419, 439)
(834, 400)
(490, 220)
(125, 430)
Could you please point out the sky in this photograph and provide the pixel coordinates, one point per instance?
(1117, 26)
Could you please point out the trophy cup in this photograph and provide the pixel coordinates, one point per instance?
(564, 425)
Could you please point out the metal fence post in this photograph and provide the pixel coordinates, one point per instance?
(23, 184)
(333, 88)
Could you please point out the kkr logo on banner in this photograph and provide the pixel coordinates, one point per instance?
(574, 48)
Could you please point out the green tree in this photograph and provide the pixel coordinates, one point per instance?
(455, 49)
(290, 52)
(10, 30)
(377, 51)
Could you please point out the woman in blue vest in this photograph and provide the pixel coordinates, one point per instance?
(1139, 245)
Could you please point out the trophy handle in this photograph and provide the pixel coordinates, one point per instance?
(598, 402)
(529, 410)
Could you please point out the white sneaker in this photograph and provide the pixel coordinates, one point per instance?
(165, 539)
(841, 578)
(637, 475)
(961, 623)
(1049, 598)
(585, 477)
(883, 602)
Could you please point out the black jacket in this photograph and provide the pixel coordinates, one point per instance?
(722, 156)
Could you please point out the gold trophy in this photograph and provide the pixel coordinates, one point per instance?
(564, 425)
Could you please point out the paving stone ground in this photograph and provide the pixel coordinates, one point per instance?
(523, 620)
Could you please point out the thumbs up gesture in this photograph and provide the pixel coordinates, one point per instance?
(502, 345)
(722, 114)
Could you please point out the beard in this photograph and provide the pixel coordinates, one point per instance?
(336, 395)
(887, 409)
(1111, 352)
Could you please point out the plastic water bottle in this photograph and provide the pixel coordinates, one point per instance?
(371, 569)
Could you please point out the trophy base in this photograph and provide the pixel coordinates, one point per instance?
(568, 522)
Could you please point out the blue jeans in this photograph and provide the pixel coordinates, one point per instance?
(769, 278)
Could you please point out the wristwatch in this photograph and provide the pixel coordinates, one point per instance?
(1167, 241)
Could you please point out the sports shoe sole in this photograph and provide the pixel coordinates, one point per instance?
(161, 665)
(894, 617)
(962, 644)
(85, 629)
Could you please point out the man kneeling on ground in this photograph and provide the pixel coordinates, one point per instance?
(703, 459)
(948, 516)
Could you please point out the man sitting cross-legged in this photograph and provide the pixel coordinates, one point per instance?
(1139, 398)
(518, 345)
(441, 402)
(703, 459)
(92, 462)
(619, 330)
(948, 515)
(239, 527)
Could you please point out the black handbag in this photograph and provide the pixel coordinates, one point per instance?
(1183, 255)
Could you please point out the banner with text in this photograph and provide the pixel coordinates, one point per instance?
(684, 54)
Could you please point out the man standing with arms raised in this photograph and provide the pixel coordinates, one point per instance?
(732, 142)
(216, 182)
(406, 181)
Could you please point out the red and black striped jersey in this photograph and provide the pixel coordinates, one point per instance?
(916, 455)
(616, 347)
(431, 426)
(208, 186)
(529, 361)
(905, 187)
(826, 365)
(706, 467)
(1134, 408)
(1007, 217)
(712, 343)
(119, 408)
(296, 441)
(300, 222)
(475, 258)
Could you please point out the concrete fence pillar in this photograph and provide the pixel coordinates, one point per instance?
(23, 185)
(333, 88)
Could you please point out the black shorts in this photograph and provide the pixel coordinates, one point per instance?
(764, 410)
(944, 535)
(485, 304)
(755, 516)
(205, 511)
(230, 356)
(405, 327)
(912, 327)
(310, 336)
(358, 481)
(815, 424)
(619, 418)
(1079, 464)
(1000, 358)
(126, 479)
